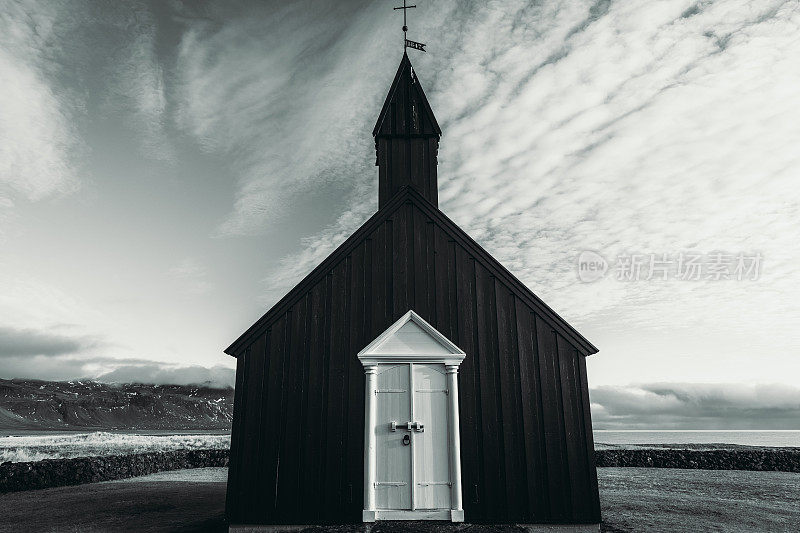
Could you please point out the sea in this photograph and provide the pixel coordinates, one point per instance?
(35, 446)
(18, 447)
(777, 438)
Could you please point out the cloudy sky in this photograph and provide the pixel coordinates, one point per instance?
(168, 170)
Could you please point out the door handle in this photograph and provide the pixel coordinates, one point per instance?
(409, 426)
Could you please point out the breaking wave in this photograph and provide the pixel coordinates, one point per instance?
(67, 446)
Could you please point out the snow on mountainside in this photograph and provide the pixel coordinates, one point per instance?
(51, 405)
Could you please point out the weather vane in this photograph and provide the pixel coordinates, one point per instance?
(407, 43)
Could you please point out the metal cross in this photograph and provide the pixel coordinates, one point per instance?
(405, 27)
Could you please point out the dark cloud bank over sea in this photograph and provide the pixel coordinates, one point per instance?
(696, 406)
(55, 356)
(26, 342)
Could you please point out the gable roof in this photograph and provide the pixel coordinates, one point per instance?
(411, 334)
(409, 195)
(406, 95)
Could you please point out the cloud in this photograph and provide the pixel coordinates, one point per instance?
(216, 376)
(277, 90)
(19, 342)
(58, 78)
(696, 406)
(137, 82)
(295, 266)
(60, 367)
(122, 70)
(625, 129)
(28, 303)
(192, 276)
(37, 138)
(57, 73)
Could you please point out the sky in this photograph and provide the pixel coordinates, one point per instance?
(168, 170)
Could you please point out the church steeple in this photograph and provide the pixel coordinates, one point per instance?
(406, 139)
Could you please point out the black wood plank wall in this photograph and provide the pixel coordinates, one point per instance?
(297, 445)
(407, 161)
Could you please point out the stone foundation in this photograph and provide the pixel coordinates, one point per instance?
(425, 527)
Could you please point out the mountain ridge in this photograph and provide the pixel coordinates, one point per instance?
(27, 404)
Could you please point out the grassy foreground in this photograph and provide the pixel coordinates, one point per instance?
(633, 499)
(666, 499)
(180, 501)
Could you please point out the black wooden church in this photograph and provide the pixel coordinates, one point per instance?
(410, 376)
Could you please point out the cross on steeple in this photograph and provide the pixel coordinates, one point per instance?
(406, 42)
(405, 8)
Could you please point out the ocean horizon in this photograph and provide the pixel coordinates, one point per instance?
(743, 437)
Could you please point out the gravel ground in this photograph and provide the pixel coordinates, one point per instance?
(633, 500)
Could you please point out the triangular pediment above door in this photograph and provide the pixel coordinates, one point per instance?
(411, 337)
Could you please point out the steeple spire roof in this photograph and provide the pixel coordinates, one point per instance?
(406, 139)
(406, 111)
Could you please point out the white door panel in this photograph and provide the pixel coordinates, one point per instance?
(431, 458)
(393, 483)
(414, 475)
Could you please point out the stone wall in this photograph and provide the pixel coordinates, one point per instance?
(60, 472)
(775, 459)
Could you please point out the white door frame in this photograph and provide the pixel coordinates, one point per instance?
(371, 357)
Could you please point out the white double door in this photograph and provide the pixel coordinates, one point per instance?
(412, 437)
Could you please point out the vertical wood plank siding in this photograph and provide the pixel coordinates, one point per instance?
(234, 488)
(297, 446)
(407, 161)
